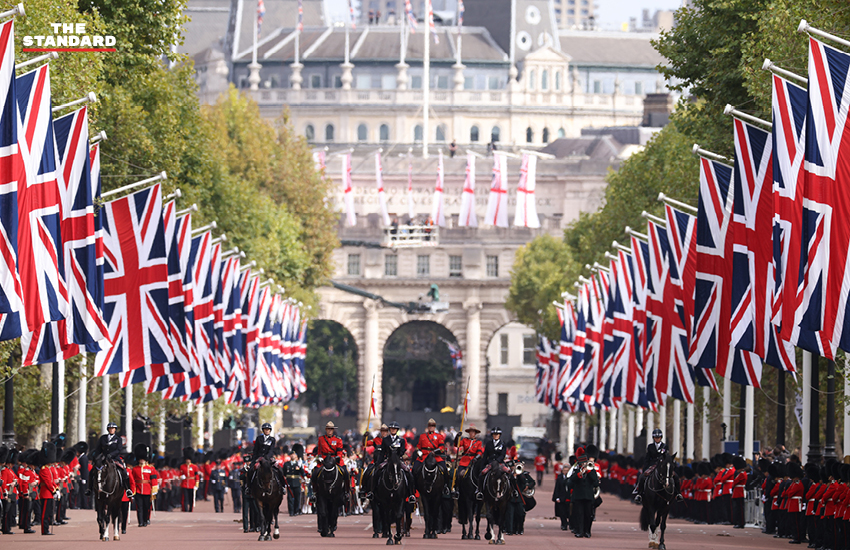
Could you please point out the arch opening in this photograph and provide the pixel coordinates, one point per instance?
(331, 370)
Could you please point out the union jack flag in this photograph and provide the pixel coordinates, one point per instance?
(621, 312)
(572, 386)
(593, 344)
(201, 261)
(300, 384)
(640, 260)
(431, 23)
(300, 16)
(567, 319)
(40, 261)
(789, 150)
(752, 271)
(411, 19)
(11, 293)
(136, 284)
(541, 386)
(232, 323)
(826, 205)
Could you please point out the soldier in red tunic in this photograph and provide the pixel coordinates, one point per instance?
(190, 476)
(146, 479)
(794, 497)
(430, 442)
(330, 445)
(46, 486)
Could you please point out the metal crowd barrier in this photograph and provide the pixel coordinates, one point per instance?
(753, 509)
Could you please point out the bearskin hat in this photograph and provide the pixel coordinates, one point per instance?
(188, 453)
(763, 465)
(142, 452)
(298, 449)
(592, 451)
(48, 451)
(739, 463)
(727, 459)
(845, 472)
(824, 473)
(13, 456)
(812, 471)
(68, 456)
(781, 469)
(572, 459)
(704, 468)
(81, 447)
(4, 453)
(795, 471)
(688, 473)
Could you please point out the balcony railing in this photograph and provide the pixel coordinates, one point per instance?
(411, 236)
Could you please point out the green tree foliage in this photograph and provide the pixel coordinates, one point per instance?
(330, 367)
(543, 269)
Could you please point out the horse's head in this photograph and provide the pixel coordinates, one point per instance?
(393, 474)
(498, 483)
(430, 471)
(666, 472)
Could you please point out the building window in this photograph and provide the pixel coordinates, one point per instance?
(315, 81)
(544, 80)
(558, 81)
(561, 133)
(455, 266)
(597, 86)
(362, 133)
(416, 82)
(545, 135)
(354, 265)
(468, 83)
(531, 77)
(529, 349)
(310, 132)
(638, 88)
(423, 265)
(443, 82)
(363, 81)
(529, 135)
(417, 133)
(385, 132)
(503, 349)
(494, 134)
(441, 132)
(473, 134)
(492, 266)
(388, 82)
(391, 265)
(503, 404)
(337, 81)
(493, 83)
(329, 132)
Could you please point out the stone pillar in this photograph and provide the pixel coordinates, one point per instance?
(401, 79)
(677, 427)
(603, 430)
(662, 423)
(614, 429)
(650, 425)
(689, 432)
(82, 430)
(458, 76)
(370, 363)
(104, 403)
(347, 78)
(571, 435)
(706, 427)
(620, 422)
(160, 434)
(254, 75)
(638, 421)
(128, 414)
(473, 358)
(749, 417)
(807, 380)
(211, 424)
(296, 79)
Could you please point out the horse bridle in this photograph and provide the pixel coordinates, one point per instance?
(432, 472)
(487, 485)
(336, 474)
(666, 486)
(399, 477)
(269, 487)
(100, 482)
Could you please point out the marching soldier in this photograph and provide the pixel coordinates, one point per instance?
(146, 479)
(583, 482)
(235, 487)
(190, 476)
(218, 486)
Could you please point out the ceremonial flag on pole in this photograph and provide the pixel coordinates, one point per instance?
(467, 216)
(382, 198)
(348, 193)
(497, 203)
(637, 394)
(411, 19)
(593, 344)
(459, 13)
(136, 284)
(437, 212)
(567, 319)
(826, 205)
(351, 15)
(261, 11)
(372, 404)
(431, 23)
(526, 204)
(40, 261)
(300, 16)
(11, 292)
(572, 387)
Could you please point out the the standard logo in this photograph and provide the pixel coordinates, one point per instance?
(69, 37)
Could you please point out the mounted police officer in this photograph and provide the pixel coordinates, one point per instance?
(495, 451)
(377, 457)
(264, 448)
(111, 447)
(654, 452)
(394, 443)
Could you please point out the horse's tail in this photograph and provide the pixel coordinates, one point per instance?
(645, 518)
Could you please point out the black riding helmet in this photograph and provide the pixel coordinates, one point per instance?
(657, 433)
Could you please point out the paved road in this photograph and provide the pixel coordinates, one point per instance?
(616, 527)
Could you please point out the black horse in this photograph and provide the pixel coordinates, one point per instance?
(468, 507)
(659, 491)
(391, 493)
(329, 485)
(108, 493)
(366, 483)
(268, 494)
(430, 482)
(497, 487)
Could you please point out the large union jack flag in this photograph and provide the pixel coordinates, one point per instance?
(637, 394)
(40, 261)
(11, 293)
(572, 386)
(826, 205)
(567, 320)
(136, 284)
(619, 348)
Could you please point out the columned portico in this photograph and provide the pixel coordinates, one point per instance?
(473, 358)
(371, 360)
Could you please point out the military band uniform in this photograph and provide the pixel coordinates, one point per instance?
(583, 482)
(294, 473)
(218, 486)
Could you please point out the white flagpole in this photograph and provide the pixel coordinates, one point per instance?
(426, 81)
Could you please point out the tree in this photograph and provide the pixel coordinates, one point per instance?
(542, 270)
(330, 367)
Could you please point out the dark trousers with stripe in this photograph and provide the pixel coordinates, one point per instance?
(8, 521)
(738, 512)
(24, 516)
(46, 515)
(188, 503)
(143, 508)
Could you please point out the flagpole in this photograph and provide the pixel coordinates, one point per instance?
(426, 80)
(368, 426)
(462, 420)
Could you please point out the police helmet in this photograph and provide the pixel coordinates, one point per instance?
(496, 430)
(657, 433)
(394, 425)
(266, 426)
(112, 425)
